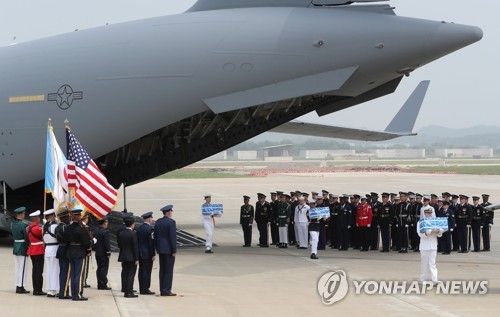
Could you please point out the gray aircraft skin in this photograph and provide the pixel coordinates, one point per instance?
(150, 96)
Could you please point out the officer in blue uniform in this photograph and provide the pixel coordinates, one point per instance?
(129, 256)
(166, 247)
(385, 219)
(145, 236)
(488, 223)
(463, 217)
(62, 239)
(477, 222)
(450, 214)
(102, 248)
(344, 211)
(126, 217)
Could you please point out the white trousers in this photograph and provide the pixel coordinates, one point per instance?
(21, 271)
(314, 241)
(52, 274)
(209, 231)
(283, 231)
(428, 263)
(302, 231)
(296, 229)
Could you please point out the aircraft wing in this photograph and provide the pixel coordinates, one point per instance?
(401, 125)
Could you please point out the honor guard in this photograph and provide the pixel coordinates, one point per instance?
(247, 214)
(274, 218)
(394, 228)
(333, 222)
(454, 236)
(262, 216)
(440, 213)
(354, 229)
(345, 216)
(102, 249)
(488, 223)
(20, 236)
(403, 216)
(291, 224)
(127, 217)
(415, 218)
(477, 223)
(283, 217)
(51, 246)
(375, 225)
(302, 222)
(166, 246)
(209, 225)
(313, 231)
(320, 203)
(61, 255)
(79, 243)
(364, 217)
(36, 252)
(326, 199)
(385, 215)
(129, 256)
(463, 218)
(87, 259)
(450, 214)
(145, 238)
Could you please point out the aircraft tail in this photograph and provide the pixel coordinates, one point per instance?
(405, 119)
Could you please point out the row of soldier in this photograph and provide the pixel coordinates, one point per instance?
(64, 246)
(359, 221)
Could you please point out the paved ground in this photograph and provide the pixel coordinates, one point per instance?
(236, 281)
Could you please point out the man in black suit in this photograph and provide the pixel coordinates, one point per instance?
(129, 256)
(166, 247)
(147, 253)
(102, 253)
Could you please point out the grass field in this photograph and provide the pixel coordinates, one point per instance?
(476, 170)
(198, 173)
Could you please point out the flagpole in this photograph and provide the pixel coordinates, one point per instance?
(49, 125)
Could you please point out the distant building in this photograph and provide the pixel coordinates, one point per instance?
(275, 153)
(453, 153)
(245, 155)
(221, 156)
(399, 153)
(323, 154)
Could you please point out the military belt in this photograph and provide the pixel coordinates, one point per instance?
(282, 216)
(37, 243)
(74, 243)
(462, 216)
(51, 244)
(478, 218)
(19, 240)
(384, 216)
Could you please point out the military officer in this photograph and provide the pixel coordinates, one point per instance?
(20, 236)
(247, 214)
(128, 256)
(36, 252)
(291, 224)
(313, 230)
(394, 228)
(333, 222)
(302, 222)
(283, 217)
(61, 255)
(345, 216)
(375, 225)
(450, 214)
(325, 194)
(273, 221)
(88, 255)
(415, 219)
(355, 243)
(51, 246)
(145, 238)
(320, 203)
(403, 216)
(488, 222)
(166, 246)
(463, 218)
(102, 253)
(477, 223)
(79, 243)
(364, 217)
(385, 216)
(454, 234)
(262, 216)
(209, 225)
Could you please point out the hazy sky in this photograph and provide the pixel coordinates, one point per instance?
(463, 84)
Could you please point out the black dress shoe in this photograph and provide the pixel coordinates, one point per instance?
(131, 295)
(64, 297)
(51, 295)
(148, 292)
(80, 299)
(21, 290)
(40, 293)
(168, 294)
(303, 248)
(86, 286)
(209, 251)
(105, 288)
(313, 256)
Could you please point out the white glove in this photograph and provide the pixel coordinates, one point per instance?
(348, 227)
(440, 232)
(369, 225)
(94, 240)
(357, 225)
(491, 225)
(468, 226)
(428, 232)
(406, 226)
(451, 230)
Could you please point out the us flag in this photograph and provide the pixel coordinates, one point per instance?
(89, 184)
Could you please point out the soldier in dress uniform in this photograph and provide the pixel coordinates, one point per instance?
(274, 218)
(355, 243)
(385, 217)
(102, 248)
(415, 215)
(61, 255)
(434, 202)
(488, 222)
(463, 218)
(87, 259)
(375, 225)
(450, 214)
(166, 246)
(291, 224)
(51, 246)
(454, 234)
(403, 216)
(345, 216)
(313, 231)
(145, 239)
(262, 215)
(129, 256)
(247, 214)
(283, 217)
(394, 228)
(320, 203)
(78, 244)
(302, 222)
(326, 201)
(477, 223)
(209, 225)
(412, 231)
(440, 213)
(36, 252)
(364, 217)
(20, 236)
(333, 222)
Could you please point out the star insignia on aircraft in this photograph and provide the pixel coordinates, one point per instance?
(65, 96)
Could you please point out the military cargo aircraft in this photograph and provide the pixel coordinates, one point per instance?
(150, 96)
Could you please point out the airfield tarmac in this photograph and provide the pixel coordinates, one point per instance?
(236, 281)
